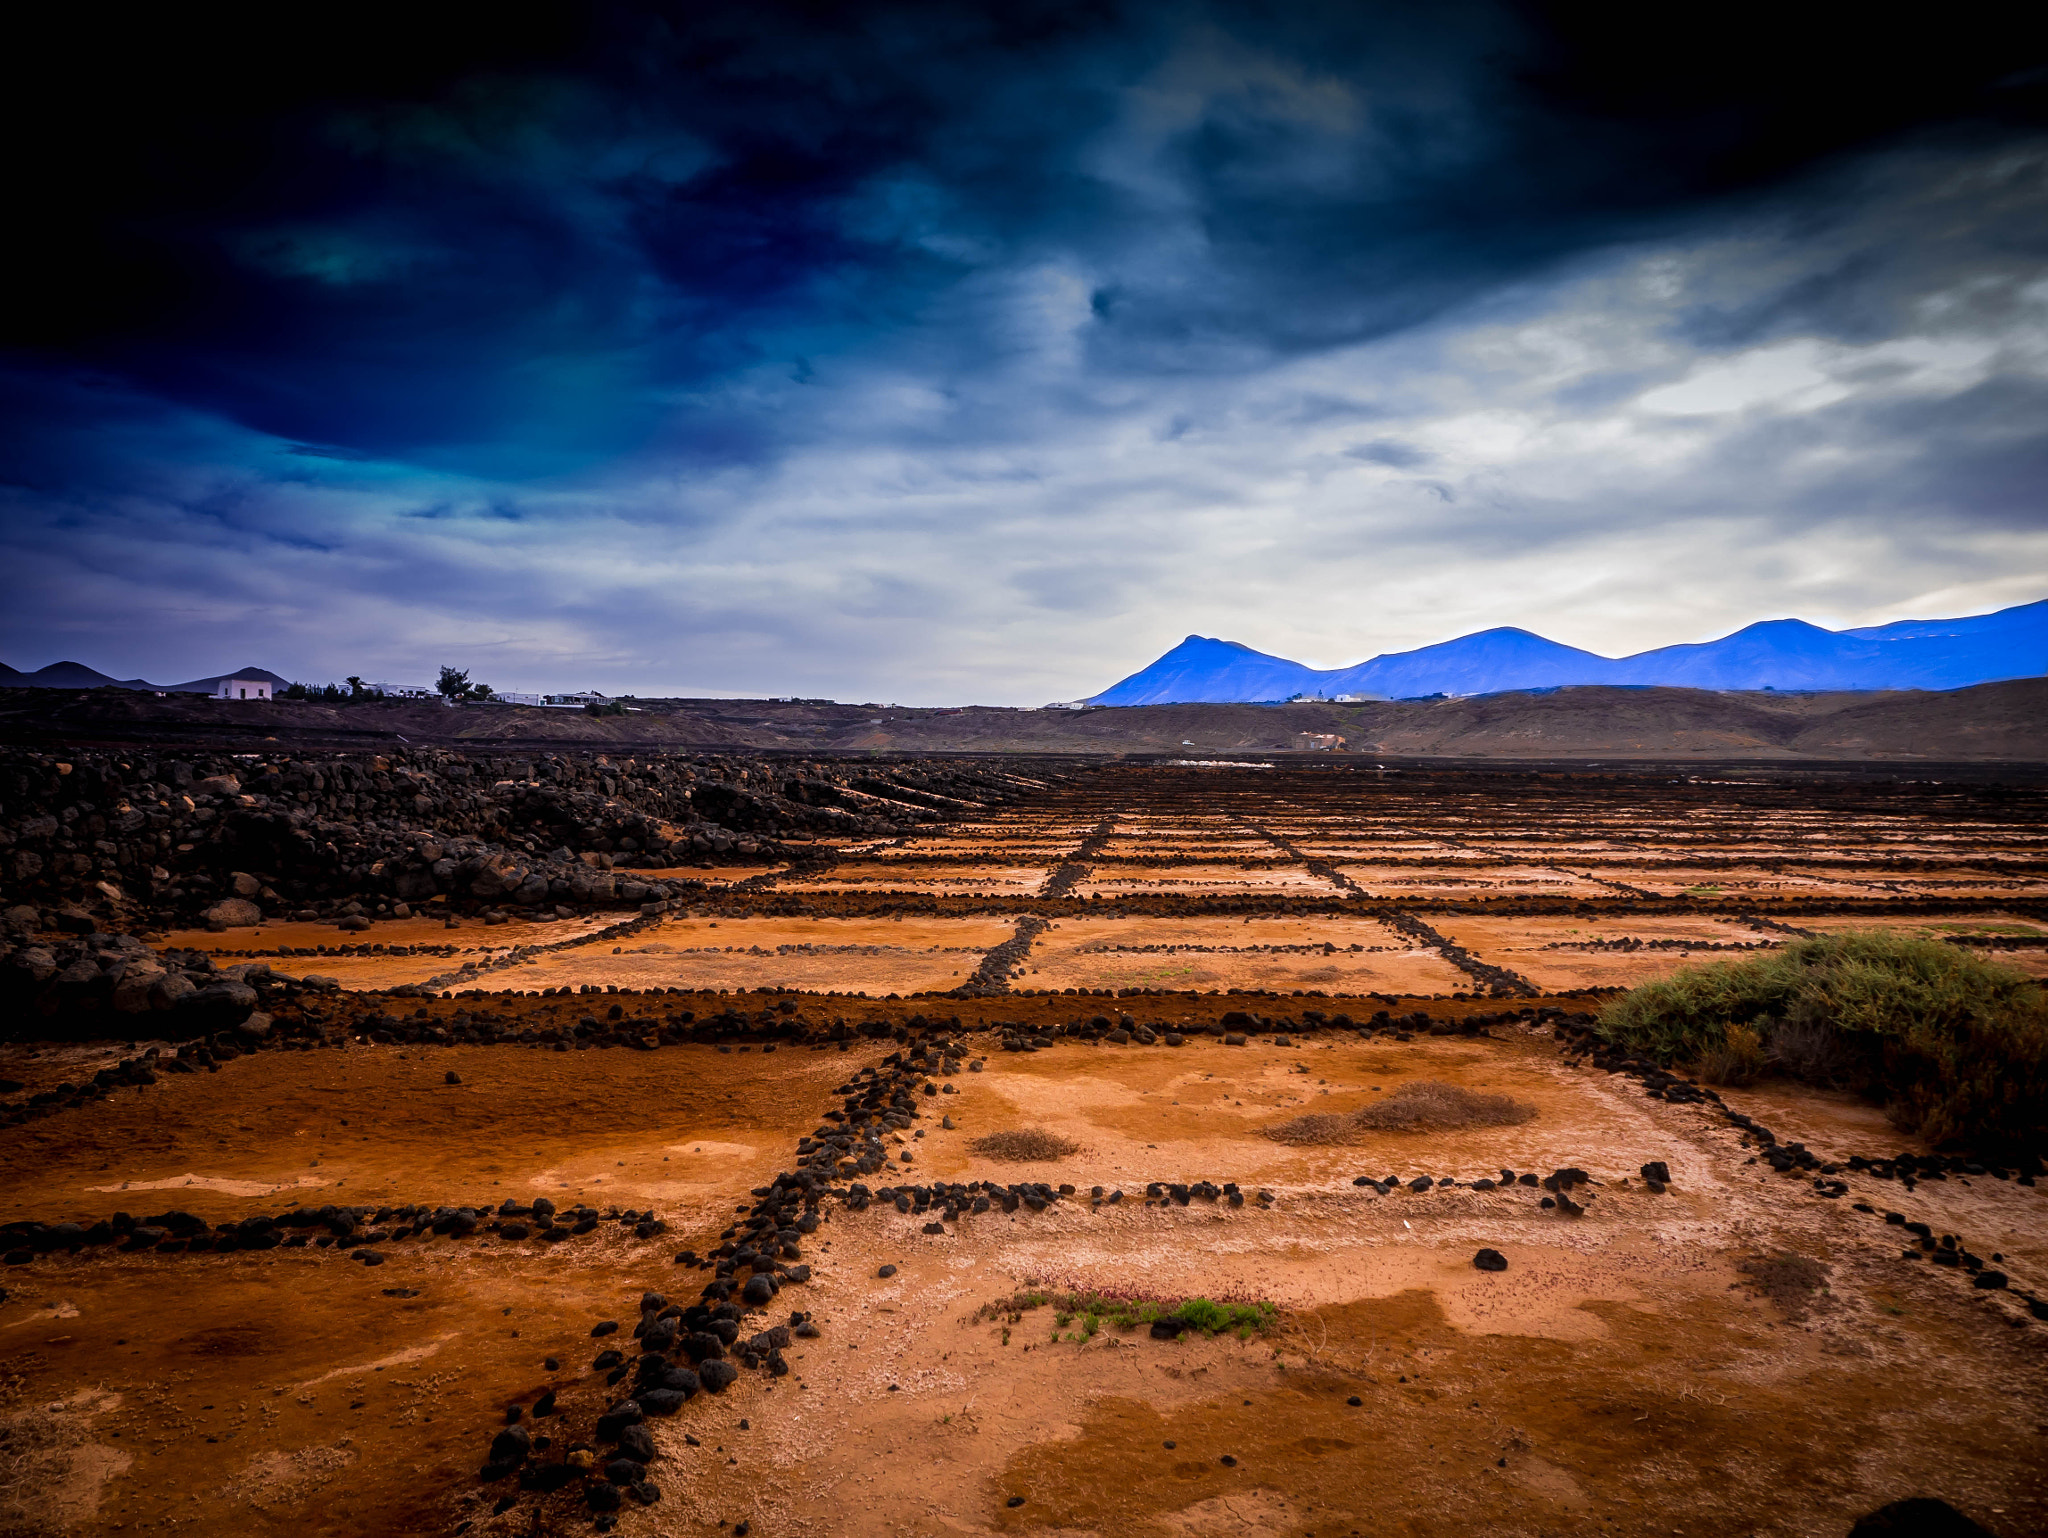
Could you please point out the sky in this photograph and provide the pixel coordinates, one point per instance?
(962, 352)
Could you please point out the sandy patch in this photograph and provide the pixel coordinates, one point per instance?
(868, 970)
(1921, 927)
(219, 1183)
(417, 1353)
(909, 932)
(910, 875)
(268, 939)
(1483, 875)
(1278, 953)
(1112, 880)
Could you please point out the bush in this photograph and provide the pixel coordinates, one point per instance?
(1955, 1046)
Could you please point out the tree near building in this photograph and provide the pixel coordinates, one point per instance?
(454, 685)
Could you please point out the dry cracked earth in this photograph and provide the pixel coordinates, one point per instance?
(754, 1117)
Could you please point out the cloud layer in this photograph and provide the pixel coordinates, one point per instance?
(944, 353)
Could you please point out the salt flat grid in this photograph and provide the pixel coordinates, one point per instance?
(1327, 841)
(1484, 882)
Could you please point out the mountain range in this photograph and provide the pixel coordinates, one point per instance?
(1772, 654)
(76, 675)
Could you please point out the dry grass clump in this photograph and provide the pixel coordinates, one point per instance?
(1305, 1130)
(1021, 1144)
(37, 1449)
(1424, 1106)
(1790, 1281)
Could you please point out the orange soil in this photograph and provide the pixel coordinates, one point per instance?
(1068, 955)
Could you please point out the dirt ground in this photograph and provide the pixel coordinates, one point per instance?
(1238, 954)
(1624, 1374)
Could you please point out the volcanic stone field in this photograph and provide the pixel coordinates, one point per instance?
(468, 1143)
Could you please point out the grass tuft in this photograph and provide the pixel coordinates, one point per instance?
(1955, 1046)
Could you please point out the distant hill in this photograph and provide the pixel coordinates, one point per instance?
(206, 685)
(76, 675)
(2004, 723)
(1773, 654)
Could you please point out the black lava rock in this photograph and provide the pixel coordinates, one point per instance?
(702, 1346)
(1920, 1517)
(510, 1447)
(1490, 1260)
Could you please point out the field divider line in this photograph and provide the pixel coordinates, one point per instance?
(1508, 859)
(992, 977)
(1074, 869)
(1497, 982)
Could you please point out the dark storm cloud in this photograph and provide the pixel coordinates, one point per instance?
(716, 323)
(499, 244)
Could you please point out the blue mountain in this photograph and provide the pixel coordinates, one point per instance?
(1201, 670)
(1481, 663)
(1773, 654)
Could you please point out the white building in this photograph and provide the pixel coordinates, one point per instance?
(516, 699)
(574, 701)
(405, 691)
(242, 689)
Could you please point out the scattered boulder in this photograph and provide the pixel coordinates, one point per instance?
(1490, 1260)
(233, 913)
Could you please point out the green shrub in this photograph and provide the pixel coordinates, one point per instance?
(1956, 1046)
